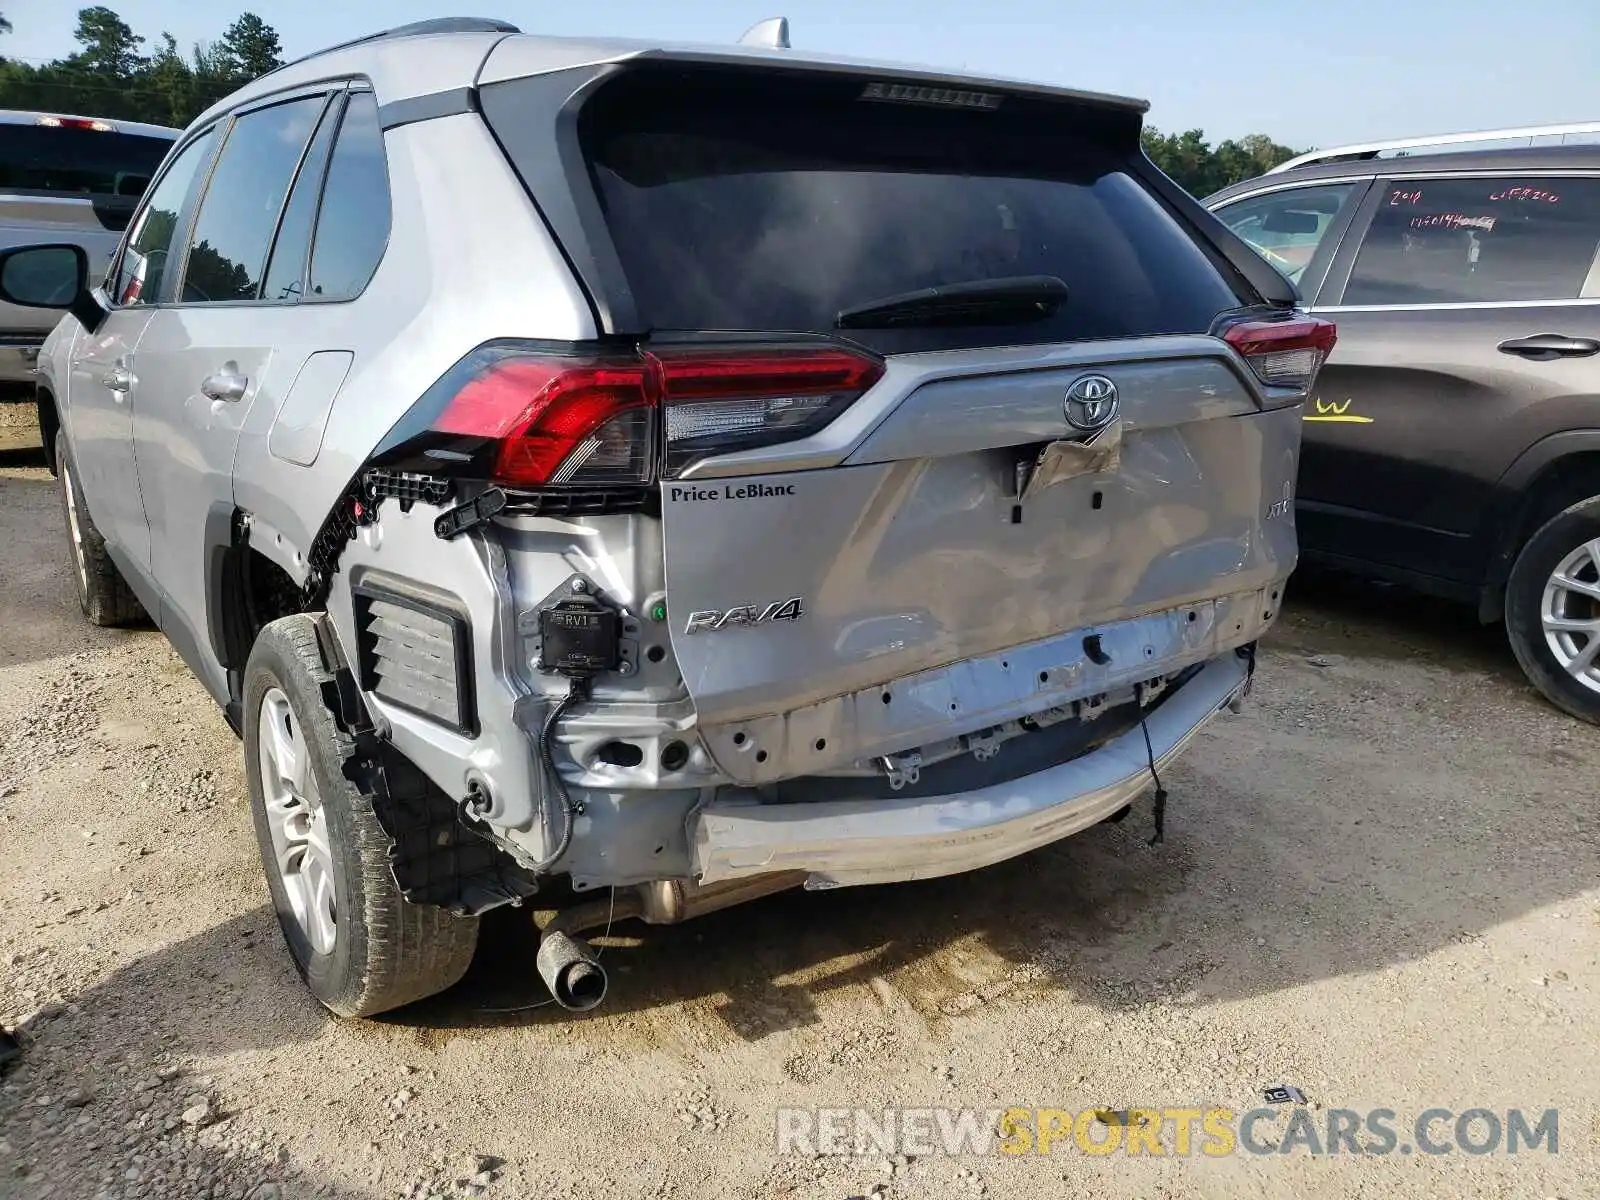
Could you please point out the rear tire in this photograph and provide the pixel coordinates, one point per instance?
(360, 946)
(103, 594)
(1553, 610)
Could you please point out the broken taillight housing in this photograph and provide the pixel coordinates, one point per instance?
(522, 418)
(1284, 353)
(717, 402)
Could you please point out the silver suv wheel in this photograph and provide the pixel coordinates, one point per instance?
(297, 822)
(1570, 613)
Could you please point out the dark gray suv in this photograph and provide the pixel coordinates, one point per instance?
(1453, 442)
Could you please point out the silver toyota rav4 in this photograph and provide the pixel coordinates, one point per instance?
(687, 471)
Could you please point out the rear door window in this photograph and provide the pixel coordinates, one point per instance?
(1486, 240)
(58, 160)
(1287, 227)
(775, 206)
(239, 213)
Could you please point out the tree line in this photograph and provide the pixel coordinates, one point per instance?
(113, 74)
(1202, 169)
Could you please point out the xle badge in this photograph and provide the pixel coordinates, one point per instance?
(1282, 508)
(745, 616)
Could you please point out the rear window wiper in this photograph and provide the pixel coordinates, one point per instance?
(1012, 300)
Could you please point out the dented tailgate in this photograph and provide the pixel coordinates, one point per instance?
(924, 545)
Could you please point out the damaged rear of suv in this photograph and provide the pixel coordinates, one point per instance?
(737, 470)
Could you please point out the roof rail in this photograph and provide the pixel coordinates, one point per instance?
(1443, 141)
(417, 29)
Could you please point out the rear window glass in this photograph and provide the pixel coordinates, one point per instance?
(77, 162)
(774, 208)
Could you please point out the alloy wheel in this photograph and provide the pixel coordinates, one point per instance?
(298, 822)
(1570, 613)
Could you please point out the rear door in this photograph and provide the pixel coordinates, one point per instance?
(920, 526)
(1469, 323)
(221, 346)
(105, 384)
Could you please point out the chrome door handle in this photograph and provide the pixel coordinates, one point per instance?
(119, 379)
(225, 385)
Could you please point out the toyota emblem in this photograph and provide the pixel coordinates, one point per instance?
(1092, 403)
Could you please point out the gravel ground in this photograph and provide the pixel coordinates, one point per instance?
(1379, 885)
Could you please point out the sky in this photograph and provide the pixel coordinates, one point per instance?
(1308, 74)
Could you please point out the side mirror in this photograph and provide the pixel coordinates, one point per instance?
(43, 276)
(51, 277)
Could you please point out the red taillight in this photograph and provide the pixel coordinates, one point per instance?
(569, 422)
(558, 420)
(1284, 353)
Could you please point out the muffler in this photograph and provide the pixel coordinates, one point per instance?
(668, 901)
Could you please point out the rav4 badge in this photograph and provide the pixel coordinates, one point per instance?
(745, 616)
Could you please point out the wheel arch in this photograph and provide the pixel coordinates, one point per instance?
(1549, 476)
(248, 588)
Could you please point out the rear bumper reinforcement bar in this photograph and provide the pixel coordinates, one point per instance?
(844, 843)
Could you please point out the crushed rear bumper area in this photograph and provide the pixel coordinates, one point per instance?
(844, 843)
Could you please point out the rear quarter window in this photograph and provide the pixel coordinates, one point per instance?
(1286, 228)
(353, 223)
(739, 205)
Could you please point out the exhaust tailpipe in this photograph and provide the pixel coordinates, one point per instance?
(567, 965)
(569, 969)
